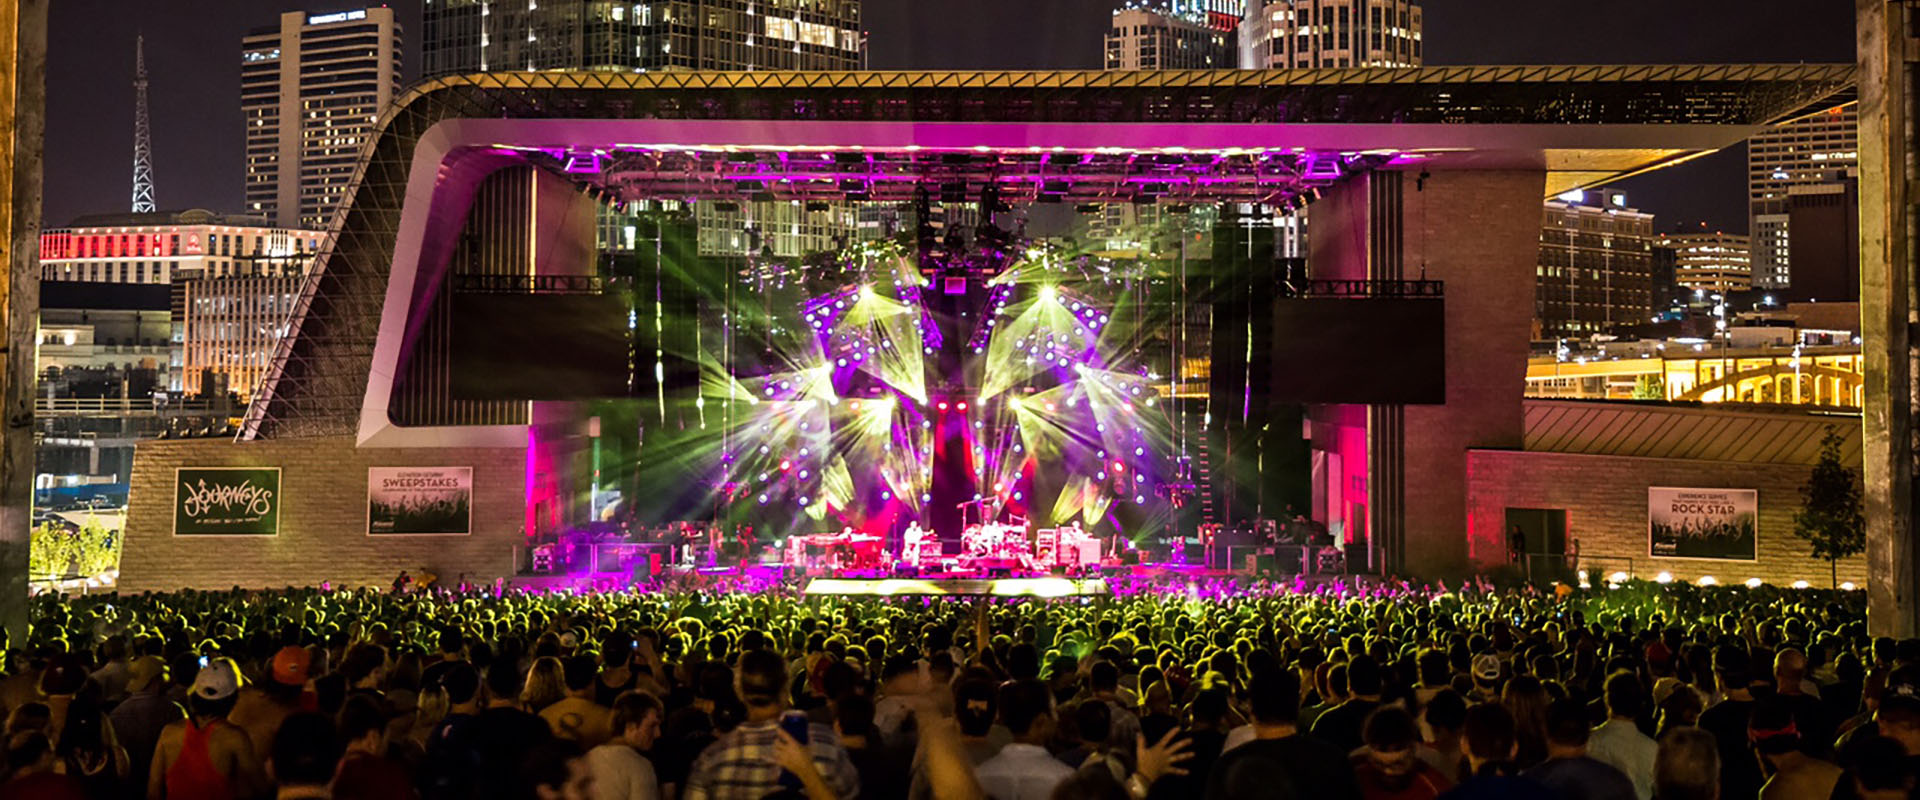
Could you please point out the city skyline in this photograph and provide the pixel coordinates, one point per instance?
(197, 127)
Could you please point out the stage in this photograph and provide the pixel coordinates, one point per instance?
(900, 581)
(918, 587)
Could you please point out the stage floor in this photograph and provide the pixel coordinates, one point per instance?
(994, 587)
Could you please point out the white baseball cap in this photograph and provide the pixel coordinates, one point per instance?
(217, 680)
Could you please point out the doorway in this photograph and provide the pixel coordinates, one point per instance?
(1537, 543)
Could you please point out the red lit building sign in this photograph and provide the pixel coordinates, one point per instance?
(64, 245)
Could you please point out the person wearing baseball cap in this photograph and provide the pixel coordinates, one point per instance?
(282, 691)
(204, 756)
(138, 720)
(1486, 676)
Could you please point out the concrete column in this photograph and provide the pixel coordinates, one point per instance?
(1886, 314)
(23, 103)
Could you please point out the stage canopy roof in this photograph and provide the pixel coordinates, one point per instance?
(1268, 136)
(1098, 136)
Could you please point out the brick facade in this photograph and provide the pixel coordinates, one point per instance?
(1605, 498)
(1479, 232)
(1399, 474)
(323, 518)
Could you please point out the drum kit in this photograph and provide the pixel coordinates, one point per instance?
(995, 546)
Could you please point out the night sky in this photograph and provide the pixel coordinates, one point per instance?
(193, 56)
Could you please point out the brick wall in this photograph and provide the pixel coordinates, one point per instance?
(323, 535)
(1605, 498)
(1479, 232)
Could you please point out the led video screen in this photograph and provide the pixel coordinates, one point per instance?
(540, 346)
(1360, 350)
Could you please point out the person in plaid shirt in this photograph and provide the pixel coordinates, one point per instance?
(746, 762)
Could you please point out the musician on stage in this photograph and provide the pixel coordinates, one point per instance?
(748, 543)
(910, 543)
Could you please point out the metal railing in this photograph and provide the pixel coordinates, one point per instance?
(537, 284)
(1362, 288)
(124, 406)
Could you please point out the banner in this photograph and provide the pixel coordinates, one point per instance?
(226, 501)
(407, 501)
(1703, 523)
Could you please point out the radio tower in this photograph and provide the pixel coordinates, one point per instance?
(142, 132)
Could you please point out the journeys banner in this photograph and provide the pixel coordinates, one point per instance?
(226, 501)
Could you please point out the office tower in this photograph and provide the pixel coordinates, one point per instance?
(1302, 34)
(1825, 249)
(158, 248)
(229, 330)
(1821, 148)
(1596, 265)
(462, 36)
(312, 88)
(1171, 38)
(465, 36)
(1711, 263)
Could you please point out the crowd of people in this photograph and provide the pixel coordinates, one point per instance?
(1647, 691)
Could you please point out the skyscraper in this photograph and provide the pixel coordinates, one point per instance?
(1301, 34)
(1820, 149)
(1178, 37)
(1825, 218)
(311, 89)
(463, 36)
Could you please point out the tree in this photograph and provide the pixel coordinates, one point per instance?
(97, 549)
(50, 551)
(56, 552)
(1829, 516)
(1649, 387)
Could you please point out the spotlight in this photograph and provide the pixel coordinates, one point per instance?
(582, 163)
(1322, 167)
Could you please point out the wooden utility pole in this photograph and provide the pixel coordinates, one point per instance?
(1887, 308)
(23, 105)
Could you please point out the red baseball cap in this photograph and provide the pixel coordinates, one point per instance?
(290, 666)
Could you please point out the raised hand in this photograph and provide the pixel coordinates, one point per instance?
(1163, 757)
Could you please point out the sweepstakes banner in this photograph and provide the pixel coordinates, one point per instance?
(414, 501)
